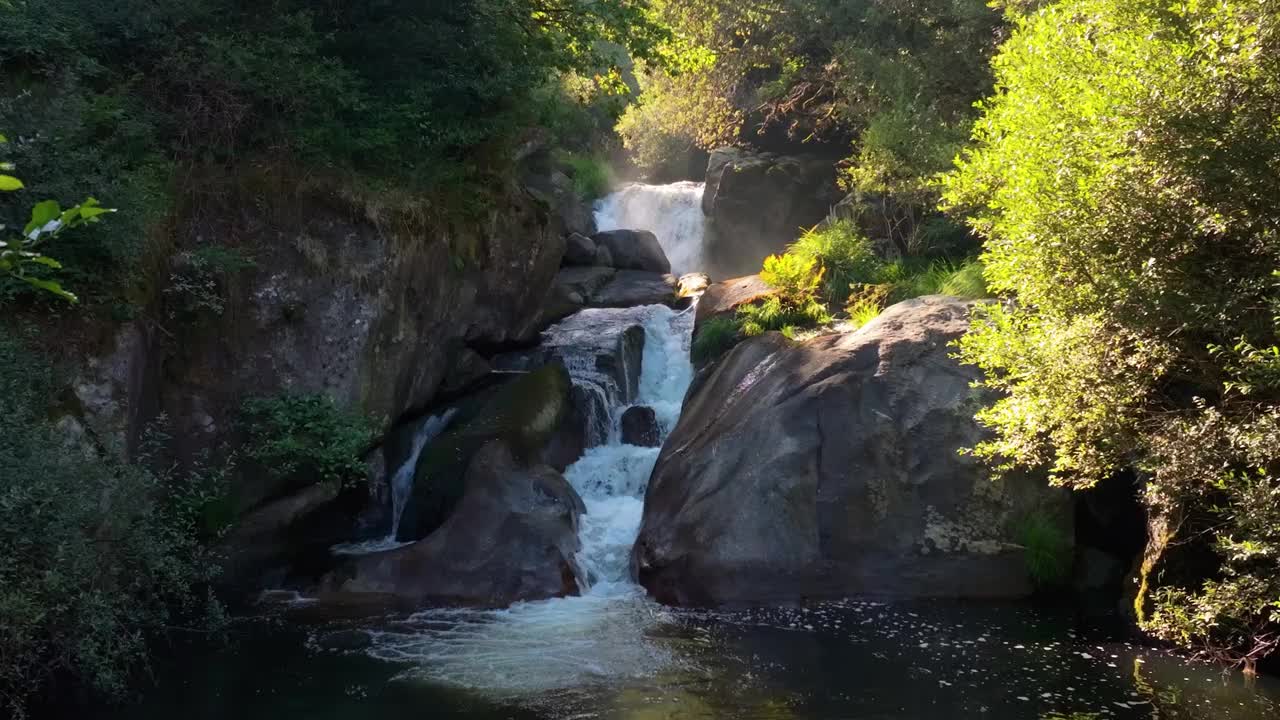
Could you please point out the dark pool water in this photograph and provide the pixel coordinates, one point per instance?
(635, 661)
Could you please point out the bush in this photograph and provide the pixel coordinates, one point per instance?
(845, 254)
(716, 337)
(795, 304)
(97, 556)
(298, 440)
(1047, 550)
(1129, 205)
(592, 177)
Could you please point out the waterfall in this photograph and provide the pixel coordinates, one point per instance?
(671, 212)
(401, 486)
(612, 478)
(574, 641)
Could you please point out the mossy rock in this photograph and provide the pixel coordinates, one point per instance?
(524, 413)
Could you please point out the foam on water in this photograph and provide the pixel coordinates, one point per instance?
(671, 212)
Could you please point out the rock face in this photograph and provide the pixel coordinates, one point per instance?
(830, 468)
(633, 250)
(523, 414)
(512, 537)
(757, 203)
(640, 427)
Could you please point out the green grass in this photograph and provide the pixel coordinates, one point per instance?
(1048, 549)
(716, 337)
(592, 177)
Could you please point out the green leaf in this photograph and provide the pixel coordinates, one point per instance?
(47, 262)
(8, 183)
(53, 287)
(42, 214)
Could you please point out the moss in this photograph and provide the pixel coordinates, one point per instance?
(524, 413)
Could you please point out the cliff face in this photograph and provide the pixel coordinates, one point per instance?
(373, 308)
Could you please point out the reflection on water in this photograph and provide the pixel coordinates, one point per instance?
(633, 660)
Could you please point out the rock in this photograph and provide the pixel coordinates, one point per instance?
(640, 427)
(634, 250)
(692, 284)
(112, 387)
(585, 281)
(580, 250)
(757, 202)
(265, 537)
(603, 258)
(723, 298)
(630, 288)
(468, 368)
(513, 537)
(523, 414)
(829, 468)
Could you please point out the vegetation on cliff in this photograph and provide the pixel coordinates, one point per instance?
(1125, 177)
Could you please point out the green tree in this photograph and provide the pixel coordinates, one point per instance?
(1125, 176)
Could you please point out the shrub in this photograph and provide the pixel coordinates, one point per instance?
(1130, 206)
(795, 304)
(845, 254)
(714, 339)
(97, 556)
(1047, 550)
(304, 439)
(592, 177)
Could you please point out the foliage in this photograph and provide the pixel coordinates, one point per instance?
(1047, 549)
(20, 256)
(591, 175)
(137, 99)
(1129, 204)
(894, 81)
(196, 286)
(305, 438)
(794, 304)
(97, 556)
(845, 254)
(716, 337)
(863, 310)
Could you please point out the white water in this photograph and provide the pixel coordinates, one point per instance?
(672, 212)
(401, 487)
(552, 645)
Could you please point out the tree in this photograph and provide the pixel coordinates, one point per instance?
(20, 256)
(1125, 177)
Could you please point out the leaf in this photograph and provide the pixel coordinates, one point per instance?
(53, 287)
(46, 261)
(8, 183)
(41, 215)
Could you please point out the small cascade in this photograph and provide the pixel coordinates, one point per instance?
(612, 478)
(401, 486)
(671, 212)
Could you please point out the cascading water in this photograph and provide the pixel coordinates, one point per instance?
(571, 642)
(671, 212)
(401, 486)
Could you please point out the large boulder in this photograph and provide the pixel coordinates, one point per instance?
(758, 202)
(831, 468)
(513, 537)
(640, 427)
(580, 250)
(636, 287)
(633, 250)
(524, 414)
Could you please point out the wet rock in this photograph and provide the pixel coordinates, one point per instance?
(468, 368)
(523, 414)
(692, 284)
(757, 202)
(584, 281)
(513, 537)
(580, 250)
(830, 468)
(634, 250)
(630, 288)
(603, 257)
(640, 427)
